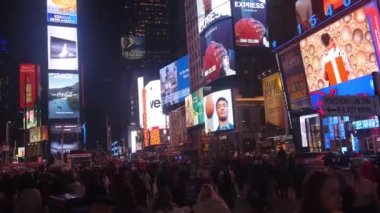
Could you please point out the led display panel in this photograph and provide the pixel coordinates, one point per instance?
(153, 106)
(363, 86)
(194, 109)
(250, 23)
(63, 96)
(218, 108)
(304, 10)
(62, 48)
(28, 85)
(294, 79)
(216, 37)
(344, 50)
(132, 47)
(175, 82)
(62, 11)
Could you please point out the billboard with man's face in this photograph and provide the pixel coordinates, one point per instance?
(218, 108)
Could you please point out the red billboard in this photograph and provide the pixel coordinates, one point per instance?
(28, 79)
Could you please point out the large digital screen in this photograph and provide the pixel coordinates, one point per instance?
(218, 108)
(211, 11)
(363, 86)
(132, 47)
(294, 79)
(38, 134)
(153, 106)
(304, 10)
(28, 85)
(343, 50)
(194, 109)
(216, 37)
(175, 81)
(32, 118)
(62, 11)
(274, 103)
(70, 142)
(250, 22)
(63, 96)
(62, 48)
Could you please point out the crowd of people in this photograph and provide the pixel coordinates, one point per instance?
(183, 186)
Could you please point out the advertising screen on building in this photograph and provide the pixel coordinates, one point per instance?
(32, 118)
(65, 128)
(28, 85)
(38, 134)
(274, 103)
(70, 142)
(62, 11)
(175, 81)
(194, 109)
(132, 47)
(363, 86)
(343, 50)
(211, 11)
(153, 106)
(294, 79)
(63, 96)
(62, 48)
(216, 35)
(250, 23)
(304, 10)
(219, 111)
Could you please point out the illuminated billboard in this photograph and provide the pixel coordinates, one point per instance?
(70, 142)
(65, 128)
(216, 37)
(153, 106)
(175, 81)
(211, 11)
(194, 109)
(250, 23)
(28, 85)
(38, 134)
(63, 96)
(294, 79)
(32, 118)
(344, 50)
(363, 86)
(218, 108)
(62, 11)
(62, 48)
(274, 103)
(304, 10)
(132, 47)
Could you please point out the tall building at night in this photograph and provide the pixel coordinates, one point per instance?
(193, 44)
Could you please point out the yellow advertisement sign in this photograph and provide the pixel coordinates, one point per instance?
(155, 136)
(274, 103)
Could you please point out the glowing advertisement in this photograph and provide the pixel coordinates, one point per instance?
(38, 134)
(62, 11)
(27, 85)
(175, 82)
(62, 48)
(342, 51)
(363, 86)
(32, 118)
(212, 11)
(70, 142)
(304, 10)
(219, 111)
(63, 96)
(155, 137)
(65, 128)
(294, 79)
(194, 109)
(274, 104)
(132, 47)
(250, 23)
(153, 106)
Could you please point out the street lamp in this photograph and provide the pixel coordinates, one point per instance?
(7, 125)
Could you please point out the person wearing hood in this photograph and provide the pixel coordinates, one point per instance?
(209, 201)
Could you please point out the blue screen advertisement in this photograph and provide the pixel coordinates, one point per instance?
(62, 11)
(64, 102)
(250, 23)
(363, 86)
(175, 82)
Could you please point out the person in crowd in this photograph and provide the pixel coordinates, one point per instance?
(209, 201)
(365, 191)
(163, 202)
(226, 186)
(321, 194)
(29, 200)
(346, 191)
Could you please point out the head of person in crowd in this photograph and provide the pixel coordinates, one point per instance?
(356, 168)
(321, 193)
(163, 201)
